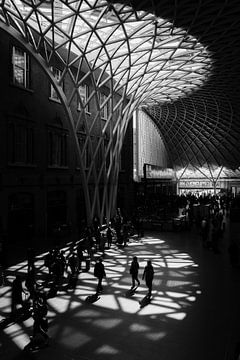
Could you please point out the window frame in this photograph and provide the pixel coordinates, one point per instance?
(104, 110)
(20, 143)
(57, 148)
(57, 73)
(84, 94)
(25, 69)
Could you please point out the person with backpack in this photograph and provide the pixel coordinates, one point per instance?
(134, 271)
(99, 272)
(148, 275)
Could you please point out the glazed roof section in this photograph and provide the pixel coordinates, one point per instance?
(179, 59)
(204, 128)
(150, 57)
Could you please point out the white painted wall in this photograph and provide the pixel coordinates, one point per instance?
(148, 144)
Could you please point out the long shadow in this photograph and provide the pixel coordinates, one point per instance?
(116, 325)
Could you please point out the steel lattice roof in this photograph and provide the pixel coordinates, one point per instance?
(203, 128)
(179, 60)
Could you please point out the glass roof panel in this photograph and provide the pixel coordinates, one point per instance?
(127, 38)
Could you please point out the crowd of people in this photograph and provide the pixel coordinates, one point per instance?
(148, 275)
(64, 267)
(30, 292)
(34, 305)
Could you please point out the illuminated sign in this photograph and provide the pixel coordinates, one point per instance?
(157, 172)
(198, 184)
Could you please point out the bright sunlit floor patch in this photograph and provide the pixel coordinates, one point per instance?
(174, 291)
(108, 301)
(130, 306)
(174, 294)
(107, 349)
(168, 303)
(59, 304)
(70, 336)
(157, 309)
(107, 323)
(156, 336)
(136, 327)
(177, 316)
(153, 241)
(17, 334)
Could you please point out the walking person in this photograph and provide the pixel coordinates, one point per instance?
(17, 291)
(90, 245)
(62, 260)
(49, 260)
(134, 272)
(99, 272)
(148, 275)
(102, 244)
(98, 238)
(80, 256)
(30, 259)
(109, 237)
(39, 338)
(58, 270)
(30, 283)
(73, 263)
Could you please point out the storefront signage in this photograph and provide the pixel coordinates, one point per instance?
(157, 172)
(198, 184)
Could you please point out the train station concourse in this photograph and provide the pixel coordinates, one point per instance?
(120, 137)
(99, 63)
(193, 313)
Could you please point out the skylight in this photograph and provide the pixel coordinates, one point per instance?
(117, 37)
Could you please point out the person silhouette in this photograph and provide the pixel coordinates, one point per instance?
(109, 236)
(17, 291)
(99, 272)
(134, 271)
(148, 275)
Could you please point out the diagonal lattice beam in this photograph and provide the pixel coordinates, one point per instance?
(140, 58)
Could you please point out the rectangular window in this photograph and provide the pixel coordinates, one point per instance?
(20, 63)
(20, 144)
(57, 148)
(104, 108)
(84, 93)
(57, 74)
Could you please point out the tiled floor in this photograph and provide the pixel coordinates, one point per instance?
(194, 313)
